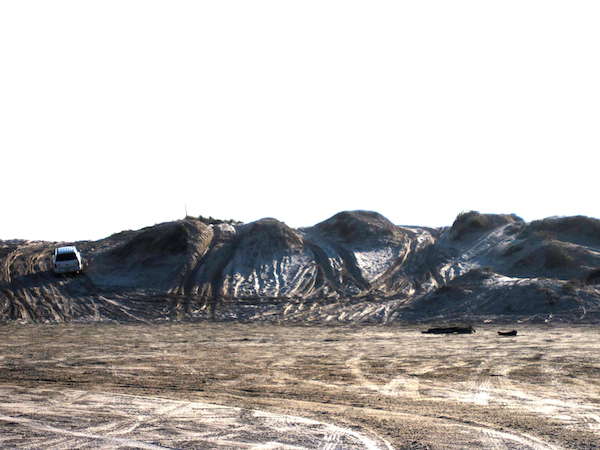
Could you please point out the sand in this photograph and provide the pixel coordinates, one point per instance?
(233, 385)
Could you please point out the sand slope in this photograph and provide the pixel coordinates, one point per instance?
(354, 267)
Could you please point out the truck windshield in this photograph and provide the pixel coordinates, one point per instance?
(65, 257)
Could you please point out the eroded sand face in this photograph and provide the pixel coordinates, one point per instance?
(219, 385)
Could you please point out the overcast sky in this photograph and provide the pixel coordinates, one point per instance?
(121, 114)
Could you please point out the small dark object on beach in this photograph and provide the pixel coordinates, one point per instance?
(508, 333)
(451, 330)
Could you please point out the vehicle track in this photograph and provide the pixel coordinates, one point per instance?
(349, 273)
(33, 293)
(189, 284)
(100, 420)
(351, 265)
(223, 253)
(324, 263)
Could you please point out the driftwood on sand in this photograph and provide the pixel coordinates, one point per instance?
(451, 330)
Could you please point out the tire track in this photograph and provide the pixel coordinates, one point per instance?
(418, 271)
(127, 421)
(351, 265)
(32, 297)
(350, 272)
(188, 285)
(324, 263)
(118, 442)
(11, 256)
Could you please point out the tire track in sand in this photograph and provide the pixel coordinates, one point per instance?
(118, 442)
(37, 418)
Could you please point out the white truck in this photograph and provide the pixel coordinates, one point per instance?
(67, 259)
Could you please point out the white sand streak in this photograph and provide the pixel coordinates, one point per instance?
(35, 418)
(61, 431)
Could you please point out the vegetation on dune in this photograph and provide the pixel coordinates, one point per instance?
(473, 221)
(575, 226)
(364, 227)
(269, 234)
(210, 220)
(593, 277)
(551, 255)
(557, 255)
(559, 244)
(169, 238)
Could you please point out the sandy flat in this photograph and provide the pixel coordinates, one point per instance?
(228, 385)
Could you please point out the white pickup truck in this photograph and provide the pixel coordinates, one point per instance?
(67, 259)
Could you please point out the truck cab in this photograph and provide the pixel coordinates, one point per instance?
(67, 260)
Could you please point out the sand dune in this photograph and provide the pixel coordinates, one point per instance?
(354, 267)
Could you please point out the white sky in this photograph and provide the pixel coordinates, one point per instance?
(118, 114)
